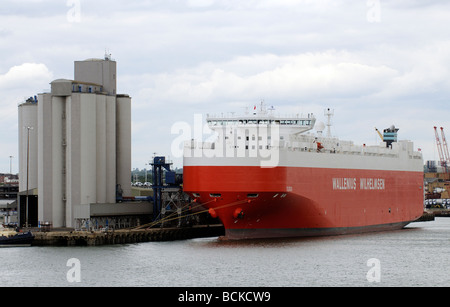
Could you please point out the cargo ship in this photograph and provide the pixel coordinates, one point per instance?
(267, 176)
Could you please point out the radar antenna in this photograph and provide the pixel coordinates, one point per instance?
(108, 55)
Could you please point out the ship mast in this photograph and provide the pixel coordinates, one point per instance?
(329, 114)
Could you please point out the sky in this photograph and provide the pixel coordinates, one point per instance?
(374, 62)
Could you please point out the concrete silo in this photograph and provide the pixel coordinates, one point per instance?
(123, 129)
(28, 145)
(111, 149)
(82, 149)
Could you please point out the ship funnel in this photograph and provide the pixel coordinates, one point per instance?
(390, 135)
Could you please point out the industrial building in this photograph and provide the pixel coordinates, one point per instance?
(75, 148)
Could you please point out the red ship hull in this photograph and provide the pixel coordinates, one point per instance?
(255, 202)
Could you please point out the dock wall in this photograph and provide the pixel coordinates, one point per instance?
(97, 238)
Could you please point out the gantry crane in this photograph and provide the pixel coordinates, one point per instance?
(440, 151)
(379, 133)
(445, 149)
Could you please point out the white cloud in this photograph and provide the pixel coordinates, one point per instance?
(16, 84)
(301, 77)
(26, 75)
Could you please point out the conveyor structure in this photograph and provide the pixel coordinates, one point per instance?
(168, 196)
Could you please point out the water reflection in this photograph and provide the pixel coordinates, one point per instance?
(298, 241)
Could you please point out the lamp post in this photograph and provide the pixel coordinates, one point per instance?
(28, 166)
(146, 164)
(10, 164)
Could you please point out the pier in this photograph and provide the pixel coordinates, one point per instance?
(125, 236)
(431, 214)
(427, 216)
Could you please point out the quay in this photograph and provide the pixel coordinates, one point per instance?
(438, 212)
(427, 216)
(431, 214)
(124, 236)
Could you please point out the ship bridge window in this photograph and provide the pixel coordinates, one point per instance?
(215, 195)
(252, 195)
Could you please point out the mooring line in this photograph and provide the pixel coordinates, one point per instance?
(196, 213)
(167, 218)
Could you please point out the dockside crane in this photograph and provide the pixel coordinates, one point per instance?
(445, 149)
(439, 146)
(379, 133)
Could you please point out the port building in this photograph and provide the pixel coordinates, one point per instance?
(74, 147)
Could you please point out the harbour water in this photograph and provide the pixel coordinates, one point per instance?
(415, 256)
